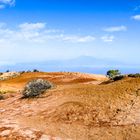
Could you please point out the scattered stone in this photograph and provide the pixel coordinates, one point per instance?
(5, 133)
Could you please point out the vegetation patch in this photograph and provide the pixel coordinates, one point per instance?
(35, 88)
(113, 73)
(137, 75)
(120, 77)
(2, 92)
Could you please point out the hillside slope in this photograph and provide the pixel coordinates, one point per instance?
(78, 108)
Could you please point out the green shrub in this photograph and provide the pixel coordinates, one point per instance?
(113, 73)
(120, 77)
(134, 75)
(35, 70)
(35, 88)
(8, 71)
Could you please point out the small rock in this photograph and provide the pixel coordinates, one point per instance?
(2, 110)
(5, 133)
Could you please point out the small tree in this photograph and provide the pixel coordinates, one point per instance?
(113, 73)
(35, 70)
(8, 71)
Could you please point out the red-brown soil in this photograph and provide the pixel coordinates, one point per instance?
(77, 108)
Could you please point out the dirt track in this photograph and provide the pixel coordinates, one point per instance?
(75, 109)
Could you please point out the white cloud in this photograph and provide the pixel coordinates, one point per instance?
(39, 33)
(9, 2)
(108, 38)
(115, 29)
(4, 3)
(78, 39)
(32, 26)
(31, 42)
(136, 17)
(36, 42)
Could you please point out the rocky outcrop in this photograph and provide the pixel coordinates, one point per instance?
(9, 75)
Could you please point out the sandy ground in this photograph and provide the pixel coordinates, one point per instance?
(77, 108)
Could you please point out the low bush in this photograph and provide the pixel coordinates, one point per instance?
(134, 75)
(113, 73)
(120, 77)
(35, 70)
(35, 88)
(8, 71)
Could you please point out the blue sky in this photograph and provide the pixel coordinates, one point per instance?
(43, 30)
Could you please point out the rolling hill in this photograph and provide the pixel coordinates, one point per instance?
(79, 107)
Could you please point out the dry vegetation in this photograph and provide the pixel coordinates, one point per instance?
(78, 108)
